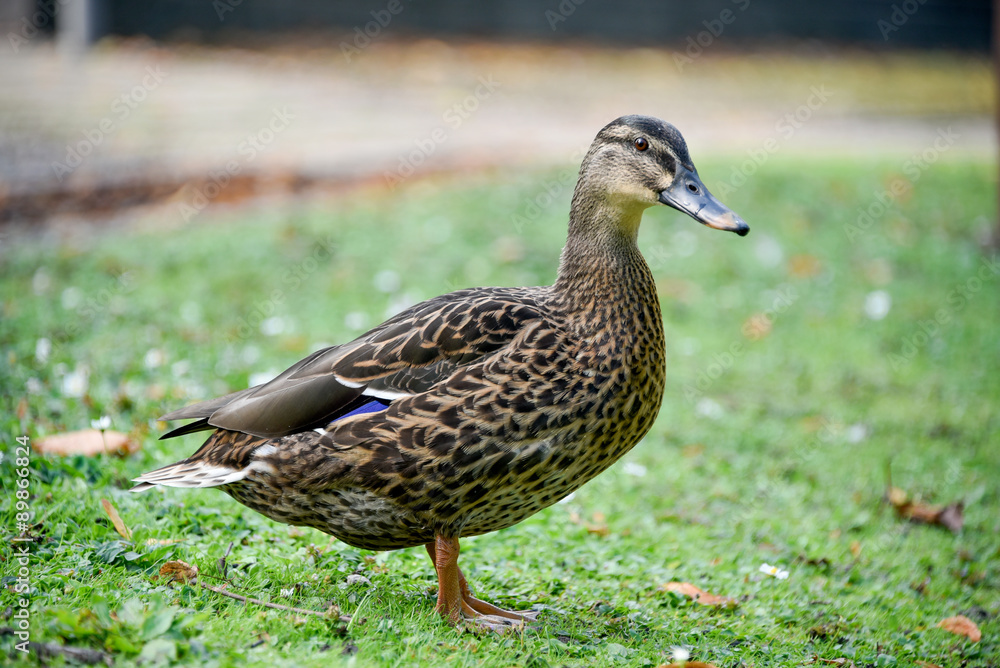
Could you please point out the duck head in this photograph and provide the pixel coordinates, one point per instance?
(637, 162)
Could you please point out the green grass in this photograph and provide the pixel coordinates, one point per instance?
(771, 449)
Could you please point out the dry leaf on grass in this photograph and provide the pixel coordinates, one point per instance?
(699, 595)
(178, 571)
(962, 626)
(949, 517)
(804, 266)
(116, 520)
(87, 442)
(598, 527)
(688, 664)
(756, 327)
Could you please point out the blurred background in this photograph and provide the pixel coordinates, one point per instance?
(108, 104)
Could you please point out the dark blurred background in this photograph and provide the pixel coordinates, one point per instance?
(958, 24)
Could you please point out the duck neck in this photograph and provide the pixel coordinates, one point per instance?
(601, 262)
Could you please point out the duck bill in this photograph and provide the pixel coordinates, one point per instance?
(688, 194)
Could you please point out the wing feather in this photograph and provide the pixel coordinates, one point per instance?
(408, 354)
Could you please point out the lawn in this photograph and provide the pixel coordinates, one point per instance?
(804, 361)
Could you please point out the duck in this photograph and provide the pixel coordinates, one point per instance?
(469, 412)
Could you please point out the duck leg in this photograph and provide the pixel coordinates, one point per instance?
(455, 600)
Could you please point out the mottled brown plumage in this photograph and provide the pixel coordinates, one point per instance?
(493, 402)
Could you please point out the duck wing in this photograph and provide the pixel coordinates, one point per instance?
(404, 356)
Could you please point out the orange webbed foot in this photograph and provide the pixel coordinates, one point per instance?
(455, 600)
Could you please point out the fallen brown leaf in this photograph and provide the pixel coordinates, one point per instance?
(962, 626)
(116, 520)
(855, 548)
(597, 527)
(756, 327)
(699, 595)
(178, 571)
(693, 449)
(803, 266)
(688, 664)
(87, 442)
(949, 517)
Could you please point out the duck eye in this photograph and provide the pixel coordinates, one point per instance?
(641, 143)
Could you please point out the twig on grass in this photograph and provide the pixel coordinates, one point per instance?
(277, 606)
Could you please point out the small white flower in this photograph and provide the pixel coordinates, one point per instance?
(773, 571)
(709, 408)
(355, 578)
(41, 282)
(104, 422)
(250, 354)
(634, 468)
(768, 252)
(43, 348)
(856, 433)
(154, 358)
(74, 384)
(71, 298)
(190, 313)
(877, 304)
(287, 593)
(387, 281)
(273, 326)
(680, 654)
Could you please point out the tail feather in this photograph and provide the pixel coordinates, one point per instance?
(189, 474)
(204, 469)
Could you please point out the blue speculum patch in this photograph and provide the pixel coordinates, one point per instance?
(373, 406)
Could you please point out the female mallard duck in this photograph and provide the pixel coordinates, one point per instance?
(471, 411)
